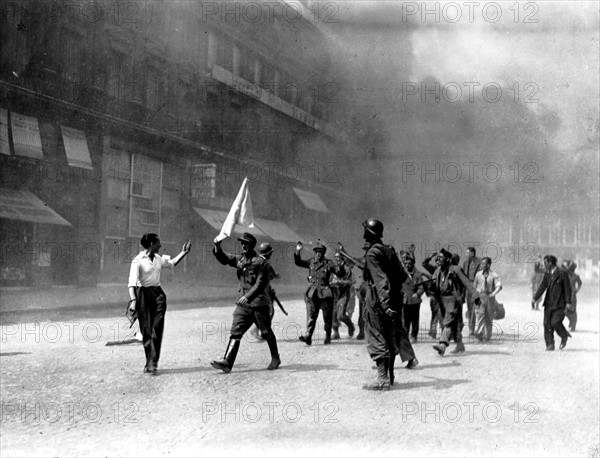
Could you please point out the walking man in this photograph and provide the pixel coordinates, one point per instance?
(576, 283)
(318, 295)
(488, 284)
(412, 292)
(557, 287)
(341, 287)
(449, 283)
(254, 306)
(148, 298)
(471, 266)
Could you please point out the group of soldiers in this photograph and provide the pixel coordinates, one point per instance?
(389, 298)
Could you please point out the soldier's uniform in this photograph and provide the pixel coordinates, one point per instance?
(254, 275)
(342, 287)
(383, 275)
(318, 295)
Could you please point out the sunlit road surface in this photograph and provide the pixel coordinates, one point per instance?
(65, 392)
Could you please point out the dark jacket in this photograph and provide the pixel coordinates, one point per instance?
(471, 267)
(319, 275)
(384, 271)
(409, 288)
(455, 283)
(558, 290)
(254, 275)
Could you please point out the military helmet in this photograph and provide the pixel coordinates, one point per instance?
(374, 226)
(265, 249)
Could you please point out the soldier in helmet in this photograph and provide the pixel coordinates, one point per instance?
(265, 250)
(383, 275)
(341, 287)
(318, 295)
(254, 275)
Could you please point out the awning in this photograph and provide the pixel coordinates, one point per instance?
(277, 230)
(311, 200)
(76, 147)
(26, 206)
(4, 148)
(26, 136)
(216, 218)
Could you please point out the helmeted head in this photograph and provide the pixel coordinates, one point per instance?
(373, 229)
(338, 258)
(265, 250)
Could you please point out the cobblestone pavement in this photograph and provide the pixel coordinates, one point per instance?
(65, 392)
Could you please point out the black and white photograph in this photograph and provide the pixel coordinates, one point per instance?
(298, 228)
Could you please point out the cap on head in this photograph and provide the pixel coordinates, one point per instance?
(374, 226)
(265, 249)
(445, 253)
(249, 238)
(320, 247)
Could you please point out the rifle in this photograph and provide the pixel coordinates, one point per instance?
(278, 302)
(341, 251)
(424, 282)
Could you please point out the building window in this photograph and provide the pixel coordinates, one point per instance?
(247, 65)
(71, 68)
(224, 53)
(155, 90)
(115, 68)
(13, 37)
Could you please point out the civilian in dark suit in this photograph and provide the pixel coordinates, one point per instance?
(557, 287)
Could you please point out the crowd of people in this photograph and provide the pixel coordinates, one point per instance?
(389, 292)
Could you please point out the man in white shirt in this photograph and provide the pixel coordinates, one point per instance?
(148, 298)
(488, 284)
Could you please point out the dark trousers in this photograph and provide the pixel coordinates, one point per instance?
(436, 317)
(244, 316)
(152, 306)
(572, 316)
(403, 346)
(470, 313)
(452, 322)
(313, 305)
(341, 297)
(361, 314)
(410, 316)
(553, 321)
(380, 332)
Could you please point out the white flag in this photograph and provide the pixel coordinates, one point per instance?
(240, 213)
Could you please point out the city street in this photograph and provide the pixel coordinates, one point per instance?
(66, 393)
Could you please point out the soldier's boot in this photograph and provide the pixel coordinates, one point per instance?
(327, 340)
(460, 348)
(348, 322)
(275, 360)
(336, 334)
(382, 383)
(351, 328)
(361, 332)
(392, 361)
(226, 364)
